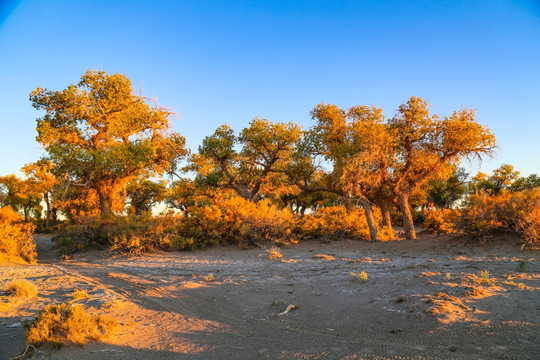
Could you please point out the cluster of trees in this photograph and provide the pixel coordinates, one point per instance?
(106, 146)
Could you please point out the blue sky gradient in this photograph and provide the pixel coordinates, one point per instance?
(214, 62)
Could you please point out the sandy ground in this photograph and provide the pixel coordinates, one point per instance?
(421, 301)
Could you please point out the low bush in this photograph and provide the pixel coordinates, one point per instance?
(21, 288)
(520, 212)
(63, 324)
(16, 241)
(84, 232)
(335, 222)
(527, 223)
(233, 220)
(236, 220)
(441, 221)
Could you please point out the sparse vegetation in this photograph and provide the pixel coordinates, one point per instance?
(210, 277)
(483, 278)
(22, 288)
(62, 324)
(522, 266)
(274, 251)
(79, 294)
(361, 276)
(278, 303)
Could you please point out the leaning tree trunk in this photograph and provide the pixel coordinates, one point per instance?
(386, 219)
(368, 210)
(408, 224)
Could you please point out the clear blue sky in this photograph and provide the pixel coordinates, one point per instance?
(228, 61)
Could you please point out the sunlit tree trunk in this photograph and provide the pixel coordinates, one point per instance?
(408, 224)
(48, 211)
(368, 209)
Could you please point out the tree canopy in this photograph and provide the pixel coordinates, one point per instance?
(99, 134)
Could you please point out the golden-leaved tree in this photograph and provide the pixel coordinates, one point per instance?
(372, 159)
(426, 145)
(357, 147)
(252, 162)
(42, 180)
(99, 135)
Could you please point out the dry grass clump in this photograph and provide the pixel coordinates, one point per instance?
(274, 252)
(79, 294)
(324, 257)
(447, 304)
(362, 276)
(5, 303)
(475, 292)
(210, 277)
(483, 278)
(519, 286)
(62, 324)
(22, 288)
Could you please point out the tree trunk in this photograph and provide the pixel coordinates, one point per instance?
(408, 224)
(386, 219)
(105, 205)
(373, 234)
(348, 204)
(48, 203)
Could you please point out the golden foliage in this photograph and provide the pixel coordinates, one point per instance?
(233, 220)
(62, 324)
(484, 214)
(99, 134)
(16, 240)
(335, 222)
(441, 221)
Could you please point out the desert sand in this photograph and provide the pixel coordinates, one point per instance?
(423, 299)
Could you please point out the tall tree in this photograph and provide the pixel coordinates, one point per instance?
(100, 135)
(21, 195)
(265, 150)
(426, 145)
(356, 146)
(42, 180)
